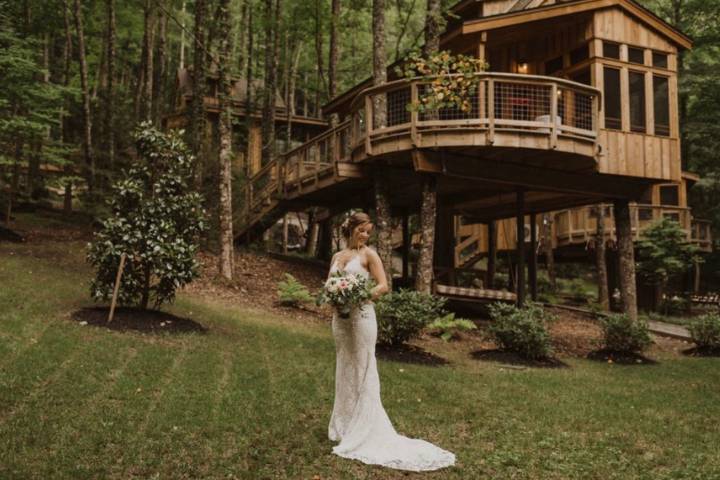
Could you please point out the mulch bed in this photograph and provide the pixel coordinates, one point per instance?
(622, 358)
(702, 352)
(513, 359)
(409, 354)
(135, 319)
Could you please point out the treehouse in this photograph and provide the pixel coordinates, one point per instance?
(302, 126)
(579, 106)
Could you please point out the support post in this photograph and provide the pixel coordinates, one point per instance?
(116, 290)
(520, 247)
(406, 248)
(492, 254)
(626, 256)
(532, 267)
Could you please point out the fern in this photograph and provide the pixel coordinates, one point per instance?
(292, 293)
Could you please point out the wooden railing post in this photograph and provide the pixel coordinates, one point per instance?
(553, 115)
(491, 111)
(368, 124)
(414, 101)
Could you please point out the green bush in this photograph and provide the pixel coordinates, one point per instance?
(674, 305)
(156, 220)
(402, 315)
(705, 331)
(449, 326)
(622, 334)
(521, 330)
(292, 293)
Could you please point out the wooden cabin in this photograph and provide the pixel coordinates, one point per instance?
(579, 106)
(302, 125)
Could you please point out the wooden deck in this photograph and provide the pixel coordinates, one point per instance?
(519, 121)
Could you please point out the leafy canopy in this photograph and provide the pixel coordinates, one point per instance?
(663, 251)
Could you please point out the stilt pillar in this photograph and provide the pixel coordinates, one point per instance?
(492, 254)
(520, 247)
(532, 267)
(626, 258)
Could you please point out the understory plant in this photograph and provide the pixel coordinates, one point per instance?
(705, 331)
(292, 293)
(448, 326)
(623, 334)
(155, 220)
(403, 314)
(521, 330)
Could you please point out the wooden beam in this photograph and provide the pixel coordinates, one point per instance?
(532, 266)
(536, 178)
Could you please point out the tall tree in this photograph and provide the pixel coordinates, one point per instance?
(547, 244)
(197, 111)
(600, 259)
(144, 95)
(110, 87)
(226, 154)
(87, 119)
(383, 214)
(270, 91)
(160, 70)
(428, 207)
(334, 49)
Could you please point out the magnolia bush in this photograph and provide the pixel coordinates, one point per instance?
(155, 220)
(451, 80)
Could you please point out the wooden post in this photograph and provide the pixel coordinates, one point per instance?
(520, 247)
(600, 260)
(117, 287)
(626, 256)
(532, 267)
(696, 279)
(285, 234)
(492, 254)
(406, 248)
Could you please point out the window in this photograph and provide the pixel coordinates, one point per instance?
(659, 59)
(637, 102)
(554, 65)
(579, 54)
(661, 101)
(669, 195)
(636, 55)
(645, 214)
(611, 86)
(611, 50)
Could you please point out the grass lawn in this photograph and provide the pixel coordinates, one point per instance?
(252, 397)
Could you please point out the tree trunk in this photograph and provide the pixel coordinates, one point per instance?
(87, 119)
(428, 208)
(383, 217)
(145, 299)
(145, 88)
(334, 49)
(379, 63)
(321, 84)
(197, 115)
(226, 155)
(110, 88)
(626, 256)
(64, 133)
(547, 241)
(492, 254)
(249, 107)
(159, 80)
(428, 214)
(181, 64)
(268, 117)
(14, 182)
(601, 260)
(292, 80)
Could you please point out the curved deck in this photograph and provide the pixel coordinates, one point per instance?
(532, 120)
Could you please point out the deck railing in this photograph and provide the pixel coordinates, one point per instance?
(580, 224)
(547, 107)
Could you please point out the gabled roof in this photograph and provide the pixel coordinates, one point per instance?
(530, 13)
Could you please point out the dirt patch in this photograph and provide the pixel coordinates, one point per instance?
(134, 319)
(622, 358)
(574, 334)
(256, 276)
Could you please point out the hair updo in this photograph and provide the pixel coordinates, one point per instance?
(356, 219)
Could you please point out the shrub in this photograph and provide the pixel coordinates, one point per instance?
(622, 334)
(448, 326)
(674, 305)
(705, 331)
(521, 330)
(155, 219)
(292, 293)
(402, 315)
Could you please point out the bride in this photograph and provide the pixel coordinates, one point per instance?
(359, 421)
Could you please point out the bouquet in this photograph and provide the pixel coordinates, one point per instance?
(345, 291)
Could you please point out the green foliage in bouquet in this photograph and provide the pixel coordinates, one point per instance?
(345, 291)
(448, 326)
(521, 330)
(622, 334)
(292, 293)
(451, 80)
(402, 315)
(155, 219)
(705, 331)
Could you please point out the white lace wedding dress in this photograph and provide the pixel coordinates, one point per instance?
(359, 421)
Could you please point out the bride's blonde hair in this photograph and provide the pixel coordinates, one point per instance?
(355, 220)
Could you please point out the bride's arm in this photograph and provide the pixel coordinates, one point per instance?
(378, 273)
(332, 262)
